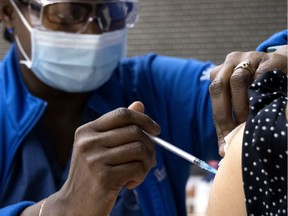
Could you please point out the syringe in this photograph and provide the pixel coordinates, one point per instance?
(183, 154)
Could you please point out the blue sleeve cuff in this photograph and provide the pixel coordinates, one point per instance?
(16, 209)
(279, 38)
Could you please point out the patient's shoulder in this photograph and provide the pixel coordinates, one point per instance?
(227, 194)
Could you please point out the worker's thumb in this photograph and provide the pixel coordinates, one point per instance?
(137, 106)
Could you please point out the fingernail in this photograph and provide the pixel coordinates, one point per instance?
(157, 126)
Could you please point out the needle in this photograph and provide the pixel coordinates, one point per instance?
(183, 154)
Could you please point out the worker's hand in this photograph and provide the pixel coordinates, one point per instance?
(229, 87)
(109, 153)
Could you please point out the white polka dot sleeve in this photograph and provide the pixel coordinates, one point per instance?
(264, 154)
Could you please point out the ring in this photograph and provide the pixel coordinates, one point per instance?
(245, 65)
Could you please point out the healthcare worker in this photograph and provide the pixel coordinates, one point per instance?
(72, 138)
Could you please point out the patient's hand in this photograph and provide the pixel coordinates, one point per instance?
(229, 88)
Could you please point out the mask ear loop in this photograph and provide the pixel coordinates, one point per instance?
(23, 19)
(27, 60)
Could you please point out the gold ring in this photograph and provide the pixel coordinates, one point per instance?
(245, 65)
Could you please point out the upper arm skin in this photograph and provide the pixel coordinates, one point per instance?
(227, 193)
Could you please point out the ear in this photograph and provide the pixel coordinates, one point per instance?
(6, 13)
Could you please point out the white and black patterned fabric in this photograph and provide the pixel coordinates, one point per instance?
(264, 152)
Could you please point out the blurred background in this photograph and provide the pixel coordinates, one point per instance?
(206, 30)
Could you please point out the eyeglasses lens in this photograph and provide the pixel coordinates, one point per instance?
(74, 15)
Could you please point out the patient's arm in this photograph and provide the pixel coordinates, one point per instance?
(227, 193)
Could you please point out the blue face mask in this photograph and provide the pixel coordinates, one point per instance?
(73, 62)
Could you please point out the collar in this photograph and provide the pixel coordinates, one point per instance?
(24, 108)
(19, 109)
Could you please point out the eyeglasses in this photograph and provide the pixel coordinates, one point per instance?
(75, 15)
